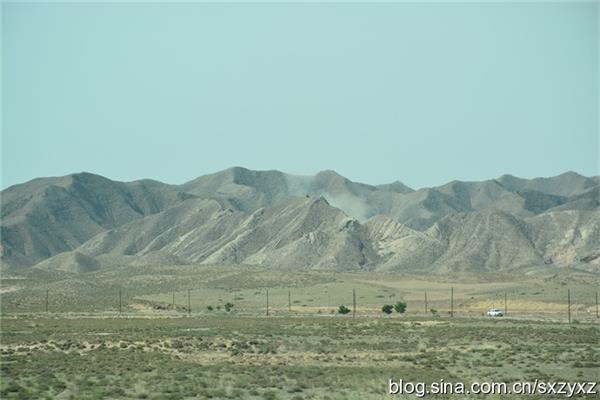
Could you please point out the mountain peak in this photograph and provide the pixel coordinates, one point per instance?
(396, 186)
(571, 174)
(329, 173)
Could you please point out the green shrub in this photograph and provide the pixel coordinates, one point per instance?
(388, 308)
(400, 307)
(343, 309)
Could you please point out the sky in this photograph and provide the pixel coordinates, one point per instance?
(424, 93)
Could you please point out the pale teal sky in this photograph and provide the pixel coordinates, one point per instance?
(423, 93)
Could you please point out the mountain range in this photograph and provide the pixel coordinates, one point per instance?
(84, 222)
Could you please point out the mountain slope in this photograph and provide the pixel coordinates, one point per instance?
(48, 216)
(402, 248)
(567, 184)
(301, 232)
(250, 190)
(565, 237)
(477, 241)
(484, 241)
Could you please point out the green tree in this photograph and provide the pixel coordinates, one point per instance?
(388, 308)
(400, 307)
(228, 306)
(343, 309)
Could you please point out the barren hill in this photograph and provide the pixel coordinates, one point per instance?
(48, 216)
(83, 221)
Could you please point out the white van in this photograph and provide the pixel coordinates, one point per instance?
(495, 312)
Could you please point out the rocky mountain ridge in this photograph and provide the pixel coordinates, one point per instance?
(84, 221)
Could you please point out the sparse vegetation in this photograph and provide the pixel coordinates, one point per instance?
(79, 351)
(216, 356)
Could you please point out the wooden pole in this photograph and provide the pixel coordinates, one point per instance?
(120, 302)
(267, 302)
(47, 295)
(426, 303)
(189, 304)
(505, 305)
(289, 300)
(569, 303)
(596, 305)
(353, 303)
(173, 303)
(452, 302)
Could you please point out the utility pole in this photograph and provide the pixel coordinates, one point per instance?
(289, 300)
(505, 305)
(173, 303)
(426, 303)
(189, 304)
(47, 295)
(596, 305)
(353, 303)
(569, 303)
(452, 302)
(267, 302)
(120, 302)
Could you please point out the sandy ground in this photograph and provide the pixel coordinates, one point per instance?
(8, 289)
